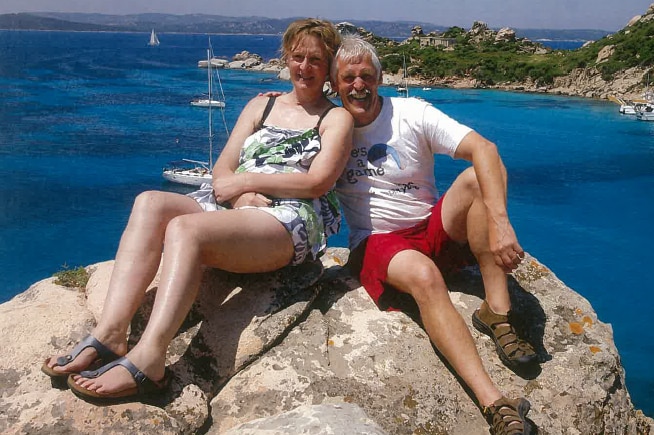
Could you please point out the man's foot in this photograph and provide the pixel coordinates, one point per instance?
(508, 417)
(513, 351)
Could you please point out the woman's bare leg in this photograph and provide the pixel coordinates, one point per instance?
(137, 261)
(235, 240)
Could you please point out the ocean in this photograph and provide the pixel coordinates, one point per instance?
(88, 120)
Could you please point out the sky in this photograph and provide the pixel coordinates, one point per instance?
(611, 15)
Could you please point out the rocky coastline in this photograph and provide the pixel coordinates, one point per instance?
(297, 351)
(581, 82)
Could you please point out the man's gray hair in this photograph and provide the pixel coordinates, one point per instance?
(355, 48)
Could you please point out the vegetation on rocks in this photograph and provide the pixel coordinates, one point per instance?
(481, 55)
(73, 278)
(632, 46)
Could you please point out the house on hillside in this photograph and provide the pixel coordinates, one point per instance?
(436, 41)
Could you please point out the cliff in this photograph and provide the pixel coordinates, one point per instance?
(295, 352)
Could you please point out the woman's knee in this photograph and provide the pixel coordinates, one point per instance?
(181, 229)
(148, 201)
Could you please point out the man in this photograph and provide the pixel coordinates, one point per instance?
(398, 223)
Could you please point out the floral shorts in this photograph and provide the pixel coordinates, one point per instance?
(289, 212)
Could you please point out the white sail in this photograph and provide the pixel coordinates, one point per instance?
(153, 39)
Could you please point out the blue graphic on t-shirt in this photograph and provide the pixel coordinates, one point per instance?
(381, 150)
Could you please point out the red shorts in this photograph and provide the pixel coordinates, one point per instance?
(371, 258)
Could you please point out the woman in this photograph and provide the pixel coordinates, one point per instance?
(260, 215)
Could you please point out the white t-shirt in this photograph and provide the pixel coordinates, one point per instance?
(388, 183)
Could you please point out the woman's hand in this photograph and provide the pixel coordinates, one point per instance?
(228, 187)
(251, 199)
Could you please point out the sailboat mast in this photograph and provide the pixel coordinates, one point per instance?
(406, 76)
(209, 78)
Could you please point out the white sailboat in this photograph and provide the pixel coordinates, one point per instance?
(154, 41)
(208, 101)
(194, 172)
(645, 112)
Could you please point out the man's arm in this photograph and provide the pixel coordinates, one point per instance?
(491, 176)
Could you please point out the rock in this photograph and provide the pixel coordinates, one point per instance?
(339, 418)
(281, 353)
(634, 20)
(235, 319)
(215, 63)
(480, 32)
(284, 74)
(246, 56)
(505, 35)
(417, 31)
(346, 28)
(605, 53)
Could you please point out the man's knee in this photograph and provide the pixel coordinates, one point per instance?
(469, 181)
(424, 282)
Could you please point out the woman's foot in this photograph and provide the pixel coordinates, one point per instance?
(122, 377)
(88, 353)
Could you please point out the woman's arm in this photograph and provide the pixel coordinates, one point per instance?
(245, 125)
(228, 160)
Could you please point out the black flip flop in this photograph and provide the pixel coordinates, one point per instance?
(145, 389)
(105, 355)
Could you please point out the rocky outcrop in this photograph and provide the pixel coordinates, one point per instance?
(480, 32)
(588, 82)
(583, 82)
(283, 353)
(505, 34)
(247, 61)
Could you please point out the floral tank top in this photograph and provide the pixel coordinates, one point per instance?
(272, 150)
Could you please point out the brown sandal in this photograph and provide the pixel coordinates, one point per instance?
(507, 417)
(513, 351)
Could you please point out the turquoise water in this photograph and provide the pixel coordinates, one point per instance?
(88, 120)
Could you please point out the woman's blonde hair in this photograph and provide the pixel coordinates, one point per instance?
(325, 31)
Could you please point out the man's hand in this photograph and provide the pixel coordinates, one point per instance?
(250, 199)
(270, 94)
(504, 245)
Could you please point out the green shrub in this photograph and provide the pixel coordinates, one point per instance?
(73, 278)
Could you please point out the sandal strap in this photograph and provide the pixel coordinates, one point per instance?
(507, 417)
(513, 345)
(144, 384)
(500, 328)
(104, 353)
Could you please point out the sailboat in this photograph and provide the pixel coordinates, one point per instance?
(404, 86)
(208, 101)
(154, 41)
(194, 172)
(645, 110)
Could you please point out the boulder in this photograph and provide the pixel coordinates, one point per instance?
(605, 54)
(295, 352)
(505, 34)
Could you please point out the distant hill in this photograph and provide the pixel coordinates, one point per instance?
(34, 22)
(202, 23)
